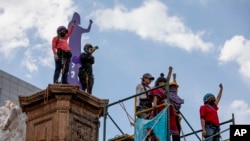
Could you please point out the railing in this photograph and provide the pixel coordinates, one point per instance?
(105, 111)
(168, 136)
(195, 132)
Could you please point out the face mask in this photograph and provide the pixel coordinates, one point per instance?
(211, 102)
(172, 88)
(62, 34)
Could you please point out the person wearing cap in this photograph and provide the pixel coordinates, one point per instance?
(158, 97)
(177, 102)
(209, 117)
(142, 102)
(62, 53)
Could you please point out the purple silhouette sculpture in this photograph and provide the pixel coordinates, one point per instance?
(75, 45)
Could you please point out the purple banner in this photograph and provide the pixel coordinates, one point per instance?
(75, 45)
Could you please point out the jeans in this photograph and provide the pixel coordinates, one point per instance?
(61, 65)
(211, 131)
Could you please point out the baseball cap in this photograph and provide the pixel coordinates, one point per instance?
(148, 75)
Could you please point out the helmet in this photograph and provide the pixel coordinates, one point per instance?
(173, 83)
(60, 28)
(206, 96)
(87, 47)
(160, 79)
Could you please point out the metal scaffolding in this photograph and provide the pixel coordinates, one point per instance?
(128, 137)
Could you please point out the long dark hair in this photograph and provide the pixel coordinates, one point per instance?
(160, 79)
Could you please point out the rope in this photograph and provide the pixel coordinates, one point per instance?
(64, 65)
(46, 96)
(181, 130)
(183, 134)
(128, 116)
(87, 81)
(64, 60)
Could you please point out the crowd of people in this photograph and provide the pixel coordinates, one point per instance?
(149, 99)
(153, 101)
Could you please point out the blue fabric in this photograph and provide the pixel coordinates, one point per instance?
(158, 125)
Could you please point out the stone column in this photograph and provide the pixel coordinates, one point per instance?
(62, 113)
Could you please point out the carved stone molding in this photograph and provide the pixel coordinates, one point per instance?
(62, 112)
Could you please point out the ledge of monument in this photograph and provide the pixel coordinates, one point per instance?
(61, 90)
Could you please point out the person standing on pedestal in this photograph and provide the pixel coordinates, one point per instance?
(62, 52)
(85, 74)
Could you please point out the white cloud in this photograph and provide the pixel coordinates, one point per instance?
(151, 21)
(203, 2)
(237, 49)
(29, 61)
(24, 22)
(37, 55)
(241, 111)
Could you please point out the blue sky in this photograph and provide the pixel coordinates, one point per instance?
(206, 41)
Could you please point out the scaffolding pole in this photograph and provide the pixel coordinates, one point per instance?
(105, 111)
(195, 132)
(116, 124)
(105, 114)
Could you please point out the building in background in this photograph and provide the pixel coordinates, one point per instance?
(11, 87)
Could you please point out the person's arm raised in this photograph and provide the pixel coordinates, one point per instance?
(219, 94)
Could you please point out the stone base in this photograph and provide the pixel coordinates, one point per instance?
(62, 113)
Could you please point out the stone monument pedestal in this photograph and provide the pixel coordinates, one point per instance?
(62, 113)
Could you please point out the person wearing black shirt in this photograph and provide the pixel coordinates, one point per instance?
(85, 71)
